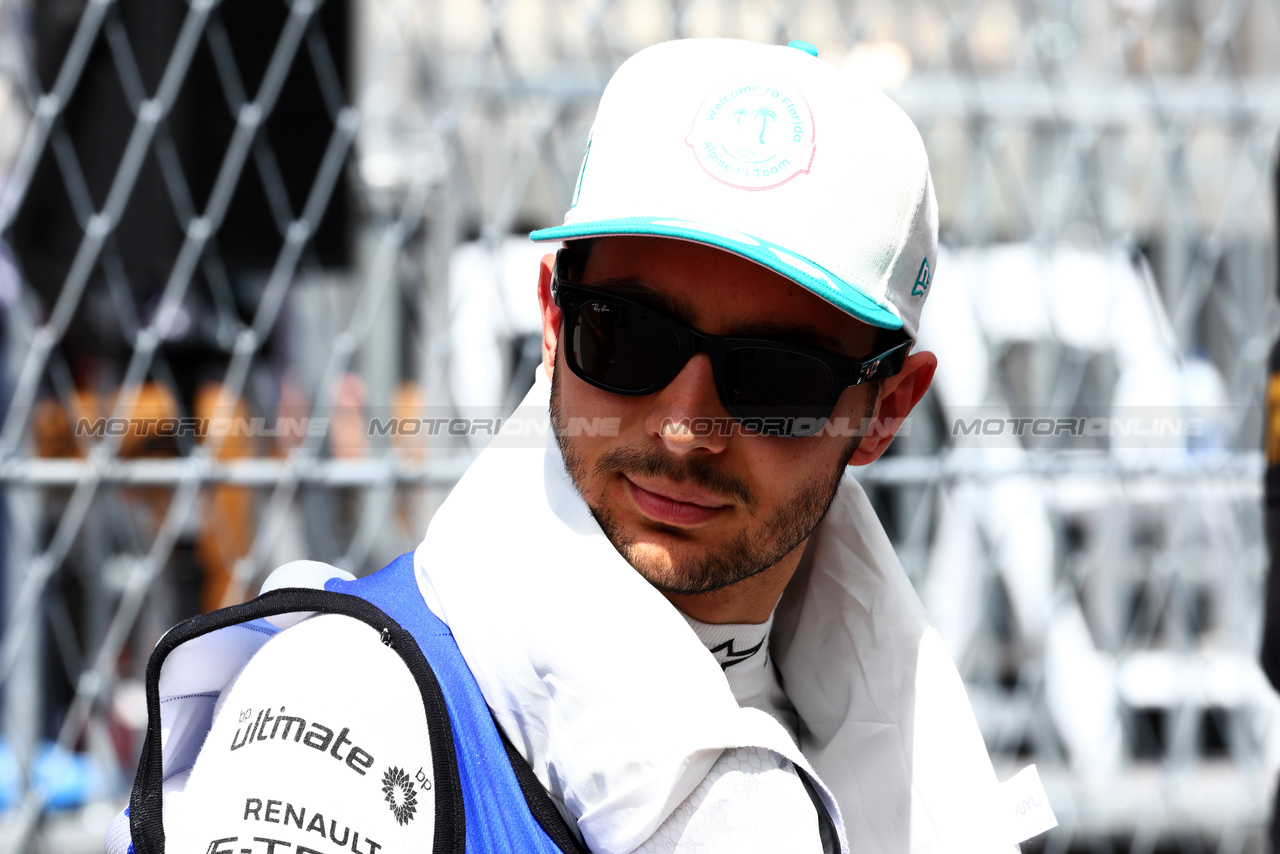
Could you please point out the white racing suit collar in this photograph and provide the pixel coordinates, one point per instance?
(540, 604)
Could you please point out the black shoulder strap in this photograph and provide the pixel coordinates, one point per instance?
(826, 827)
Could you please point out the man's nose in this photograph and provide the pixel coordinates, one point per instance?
(687, 415)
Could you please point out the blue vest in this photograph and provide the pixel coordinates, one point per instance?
(487, 797)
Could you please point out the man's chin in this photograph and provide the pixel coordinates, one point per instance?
(651, 559)
(681, 572)
(658, 564)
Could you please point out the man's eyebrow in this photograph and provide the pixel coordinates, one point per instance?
(634, 288)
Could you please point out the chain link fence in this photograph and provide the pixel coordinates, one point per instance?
(242, 245)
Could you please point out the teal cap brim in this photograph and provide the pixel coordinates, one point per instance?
(814, 277)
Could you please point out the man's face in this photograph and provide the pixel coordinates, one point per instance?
(697, 510)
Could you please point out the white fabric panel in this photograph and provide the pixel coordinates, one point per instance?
(751, 802)
(320, 742)
(623, 731)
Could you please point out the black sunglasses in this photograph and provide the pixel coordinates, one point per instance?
(770, 387)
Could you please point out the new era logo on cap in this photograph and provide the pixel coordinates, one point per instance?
(923, 278)
(773, 154)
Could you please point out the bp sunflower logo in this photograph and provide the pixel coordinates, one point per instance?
(398, 789)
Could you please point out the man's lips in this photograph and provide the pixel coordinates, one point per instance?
(672, 504)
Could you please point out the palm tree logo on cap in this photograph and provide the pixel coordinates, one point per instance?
(753, 132)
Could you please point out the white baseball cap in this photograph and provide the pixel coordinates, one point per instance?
(770, 153)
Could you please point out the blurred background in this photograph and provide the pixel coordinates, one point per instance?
(239, 240)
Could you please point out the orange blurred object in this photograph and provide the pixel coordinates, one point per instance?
(146, 429)
(225, 535)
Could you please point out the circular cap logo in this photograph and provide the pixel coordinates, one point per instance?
(754, 133)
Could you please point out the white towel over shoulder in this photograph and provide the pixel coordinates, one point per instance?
(546, 614)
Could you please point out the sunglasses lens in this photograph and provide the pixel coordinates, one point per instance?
(624, 348)
(764, 383)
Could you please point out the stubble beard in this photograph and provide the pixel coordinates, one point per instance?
(746, 554)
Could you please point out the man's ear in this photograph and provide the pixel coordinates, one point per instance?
(899, 394)
(550, 314)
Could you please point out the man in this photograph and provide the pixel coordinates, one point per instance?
(681, 611)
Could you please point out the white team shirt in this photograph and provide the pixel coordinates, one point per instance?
(314, 748)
